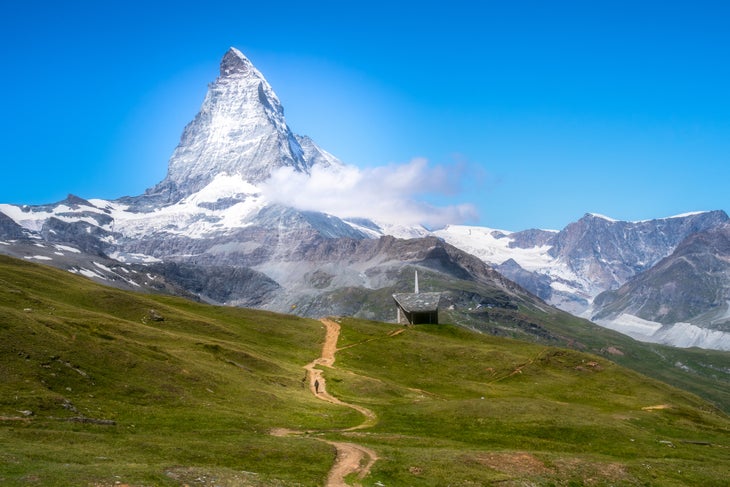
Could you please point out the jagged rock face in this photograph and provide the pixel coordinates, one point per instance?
(531, 238)
(314, 154)
(537, 284)
(9, 230)
(87, 237)
(274, 233)
(220, 284)
(240, 130)
(611, 252)
(691, 281)
(687, 291)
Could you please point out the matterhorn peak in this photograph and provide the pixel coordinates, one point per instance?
(240, 131)
(234, 62)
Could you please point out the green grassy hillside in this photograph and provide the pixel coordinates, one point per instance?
(101, 387)
(468, 410)
(491, 310)
(703, 372)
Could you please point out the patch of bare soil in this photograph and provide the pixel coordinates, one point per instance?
(514, 463)
(593, 473)
(193, 477)
(522, 465)
(351, 458)
(657, 407)
(14, 418)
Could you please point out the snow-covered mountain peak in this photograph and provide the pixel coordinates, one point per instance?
(682, 216)
(600, 217)
(240, 130)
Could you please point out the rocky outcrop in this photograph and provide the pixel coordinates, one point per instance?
(538, 284)
(689, 288)
(220, 284)
(9, 230)
(609, 252)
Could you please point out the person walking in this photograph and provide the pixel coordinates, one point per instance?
(316, 386)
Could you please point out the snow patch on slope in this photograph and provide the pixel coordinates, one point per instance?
(688, 335)
(632, 325)
(31, 220)
(603, 217)
(222, 205)
(493, 247)
(66, 248)
(683, 335)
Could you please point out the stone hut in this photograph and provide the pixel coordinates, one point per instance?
(417, 307)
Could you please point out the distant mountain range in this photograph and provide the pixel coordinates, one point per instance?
(209, 231)
(611, 272)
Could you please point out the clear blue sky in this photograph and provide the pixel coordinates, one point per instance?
(549, 110)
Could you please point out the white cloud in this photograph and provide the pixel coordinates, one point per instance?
(386, 194)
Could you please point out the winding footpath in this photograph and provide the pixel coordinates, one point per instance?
(351, 458)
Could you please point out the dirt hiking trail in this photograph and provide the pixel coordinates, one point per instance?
(351, 458)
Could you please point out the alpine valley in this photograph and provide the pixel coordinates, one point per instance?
(209, 231)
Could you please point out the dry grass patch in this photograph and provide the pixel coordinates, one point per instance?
(593, 473)
(520, 464)
(524, 465)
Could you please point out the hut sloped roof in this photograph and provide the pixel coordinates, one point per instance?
(418, 302)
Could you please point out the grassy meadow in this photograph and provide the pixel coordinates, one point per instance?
(102, 387)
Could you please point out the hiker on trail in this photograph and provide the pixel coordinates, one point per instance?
(316, 386)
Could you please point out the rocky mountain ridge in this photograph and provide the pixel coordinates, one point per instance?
(210, 231)
(684, 298)
(596, 254)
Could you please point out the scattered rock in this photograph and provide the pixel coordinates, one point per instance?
(66, 404)
(613, 351)
(415, 470)
(82, 419)
(587, 366)
(153, 315)
(657, 407)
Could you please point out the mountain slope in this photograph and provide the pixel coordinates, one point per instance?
(103, 387)
(684, 299)
(587, 257)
